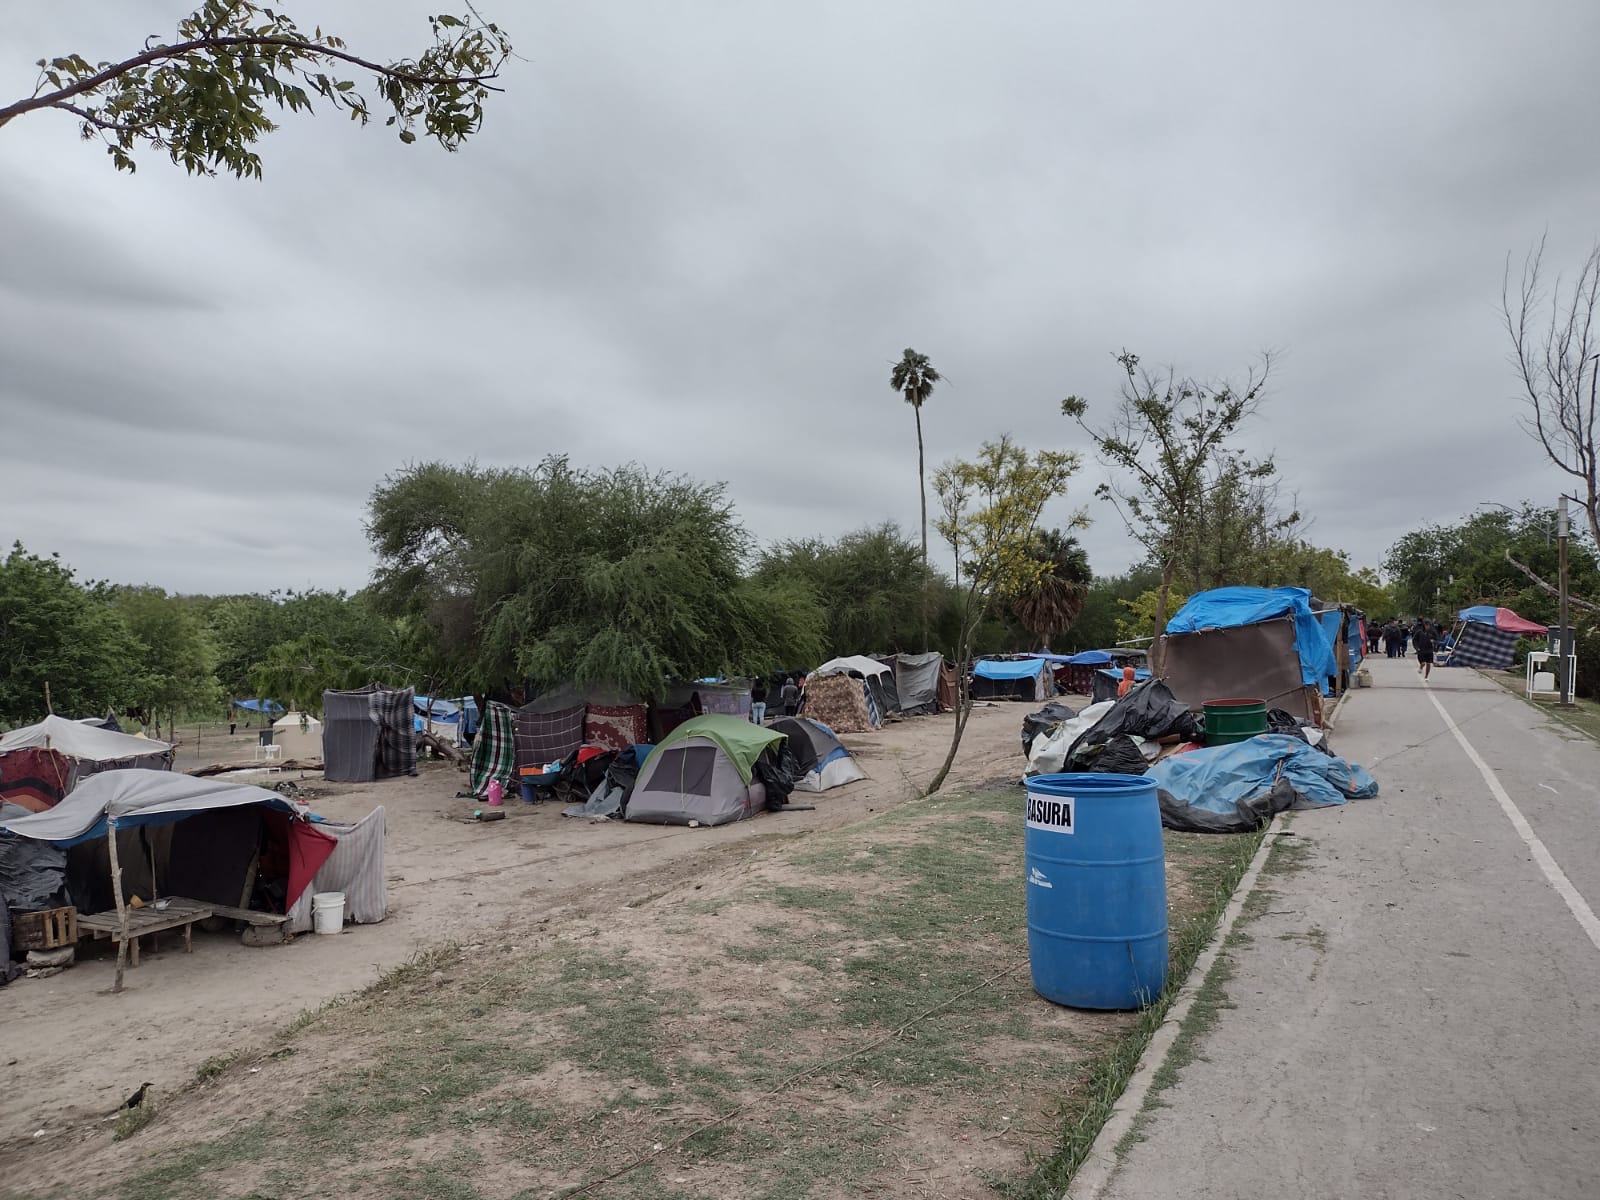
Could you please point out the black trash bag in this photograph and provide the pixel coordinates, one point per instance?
(1248, 816)
(777, 776)
(1121, 756)
(1046, 719)
(1149, 710)
(1282, 721)
(623, 774)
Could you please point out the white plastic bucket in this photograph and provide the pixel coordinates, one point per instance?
(327, 912)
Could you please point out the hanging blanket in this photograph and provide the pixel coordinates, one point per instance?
(548, 737)
(34, 778)
(494, 751)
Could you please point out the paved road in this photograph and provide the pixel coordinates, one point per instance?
(1418, 1012)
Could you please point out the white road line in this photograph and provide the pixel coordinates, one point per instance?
(1552, 870)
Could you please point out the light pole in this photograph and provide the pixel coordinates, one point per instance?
(1564, 663)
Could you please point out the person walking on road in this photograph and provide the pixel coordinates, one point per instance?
(1403, 635)
(1422, 641)
(758, 700)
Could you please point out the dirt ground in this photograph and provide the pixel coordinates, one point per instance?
(72, 1050)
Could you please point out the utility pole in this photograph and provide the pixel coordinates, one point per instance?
(1564, 666)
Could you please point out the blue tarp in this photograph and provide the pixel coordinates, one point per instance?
(1330, 630)
(260, 706)
(463, 712)
(1140, 674)
(1090, 658)
(1230, 607)
(988, 668)
(1217, 778)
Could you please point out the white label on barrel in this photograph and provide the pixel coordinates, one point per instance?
(1039, 879)
(1051, 813)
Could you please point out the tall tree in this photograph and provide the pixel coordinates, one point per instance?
(178, 661)
(1004, 490)
(1170, 436)
(1555, 344)
(913, 377)
(202, 97)
(1052, 603)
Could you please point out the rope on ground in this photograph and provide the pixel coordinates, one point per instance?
(791, 1080)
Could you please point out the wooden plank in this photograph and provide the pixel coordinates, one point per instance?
(137, 922)
(239, 914)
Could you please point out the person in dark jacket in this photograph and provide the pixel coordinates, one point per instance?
(758, 700)
(789, 697)
(1423, 642)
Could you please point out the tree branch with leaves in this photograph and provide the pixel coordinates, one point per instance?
(1170, 437)
(203, 97)
(991, 509)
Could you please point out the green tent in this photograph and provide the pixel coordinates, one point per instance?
(742, 741)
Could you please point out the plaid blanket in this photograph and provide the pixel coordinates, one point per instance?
(397, 732)
(546, 737)
(494, 750)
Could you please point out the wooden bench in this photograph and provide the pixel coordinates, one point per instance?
(179, 914)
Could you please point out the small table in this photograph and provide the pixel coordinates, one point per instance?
(142, 921)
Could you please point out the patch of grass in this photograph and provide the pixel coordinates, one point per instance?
(215, 1066)
(131, 1120)
(181, 1174)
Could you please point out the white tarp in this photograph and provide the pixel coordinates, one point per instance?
(859, 663)
(1050, 749)
(291, 720)
(77, 740)
(138, 796)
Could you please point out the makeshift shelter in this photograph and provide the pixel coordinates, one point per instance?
(223, 836)
(916, 681)
(703, 771)
(354, 867)
(494, 751)
(877, 682)
(368, 734)
(1261, 643)
(553, 725)
(730, 698)
(298, 743)
(39, 764)
(839, 702)
(265, 708)
(1487, 637)
(821, 760)
(1075, 672)
(1012, 679)
(1345, 629)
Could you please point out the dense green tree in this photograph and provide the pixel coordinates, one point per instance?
(54, 631)
(622, 577)
(177, 660)
(1054, 600)
(871, 584)
(202, 96)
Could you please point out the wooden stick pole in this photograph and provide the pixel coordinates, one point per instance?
(122, 907)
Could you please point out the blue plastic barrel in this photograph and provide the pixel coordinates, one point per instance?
(1097, 890)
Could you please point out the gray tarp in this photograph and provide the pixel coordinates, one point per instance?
(137, 796)
(916, 678)
(31, 873)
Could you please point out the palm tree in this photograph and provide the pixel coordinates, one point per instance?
(913, 377)
(1055, 601)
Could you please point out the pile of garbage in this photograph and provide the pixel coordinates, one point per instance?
(1202, 789)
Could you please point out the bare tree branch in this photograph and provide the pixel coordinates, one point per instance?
(1549, 587)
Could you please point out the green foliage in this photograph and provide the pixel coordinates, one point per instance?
(203, 97)
(178, 660)
(1439, 569)
(913, 377)
(1052, 603)
(870, 585)
(53, 630)
(619, 577)
(1138, 620)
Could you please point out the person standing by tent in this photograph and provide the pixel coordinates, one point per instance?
(758, 700)
(789, 697)
(1424, 643)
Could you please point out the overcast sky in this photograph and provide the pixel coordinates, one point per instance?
(696, 235)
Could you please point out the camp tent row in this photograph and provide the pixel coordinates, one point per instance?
(40, 764)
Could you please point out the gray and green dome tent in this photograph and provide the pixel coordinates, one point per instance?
(704, 770)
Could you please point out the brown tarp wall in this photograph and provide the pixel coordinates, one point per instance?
(1255, 662)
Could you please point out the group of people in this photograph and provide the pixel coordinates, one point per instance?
(1398, 638)
(788, 697)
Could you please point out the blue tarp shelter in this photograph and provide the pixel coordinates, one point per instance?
(1233, 607)
(1012, 679)
(271, 707)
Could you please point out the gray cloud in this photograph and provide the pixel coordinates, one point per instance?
(695, 236)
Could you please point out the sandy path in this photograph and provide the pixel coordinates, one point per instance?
(72, 1050)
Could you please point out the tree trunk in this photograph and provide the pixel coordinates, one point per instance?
(1157, 650)
(963, 699)
(922, 489)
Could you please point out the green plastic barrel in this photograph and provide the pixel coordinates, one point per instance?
(1230, 721)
